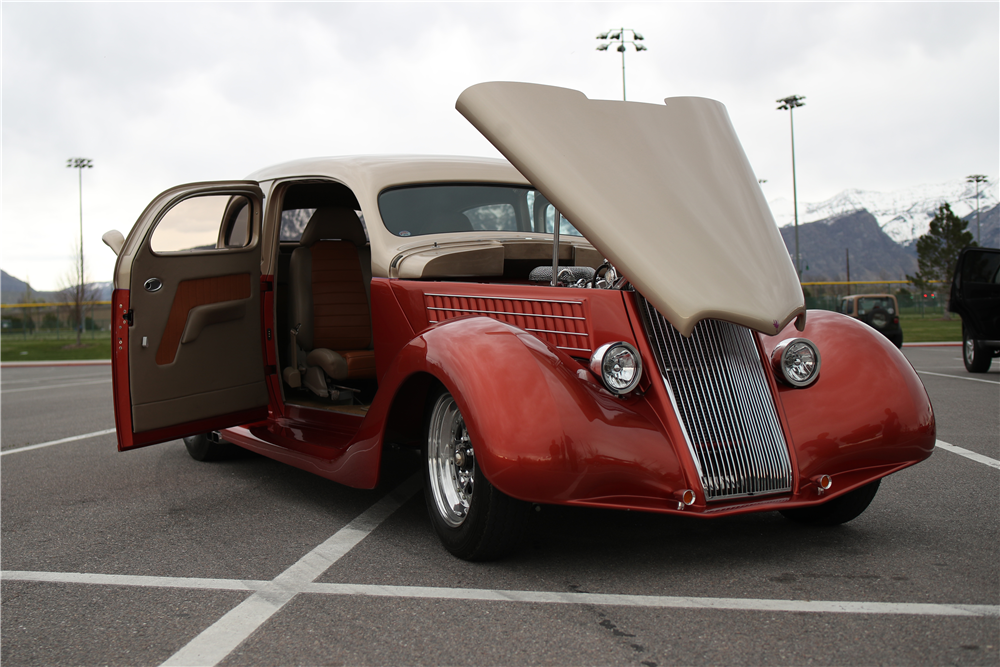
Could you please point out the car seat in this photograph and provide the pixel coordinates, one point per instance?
(330, 303)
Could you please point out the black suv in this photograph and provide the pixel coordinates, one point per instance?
(975, 295)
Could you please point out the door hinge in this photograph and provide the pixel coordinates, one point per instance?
(127, 316)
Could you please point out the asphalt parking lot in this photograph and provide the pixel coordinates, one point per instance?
(149, 557)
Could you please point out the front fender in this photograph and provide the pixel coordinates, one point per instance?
(543, 429)
(868, 409)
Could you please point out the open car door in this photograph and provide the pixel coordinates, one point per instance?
(187, 354)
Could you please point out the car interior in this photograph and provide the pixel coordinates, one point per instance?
(323, 299)
(323, 277)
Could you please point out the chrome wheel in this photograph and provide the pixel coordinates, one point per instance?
(451, 462)
(970, 352)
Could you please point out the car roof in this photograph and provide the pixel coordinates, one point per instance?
(380, 171)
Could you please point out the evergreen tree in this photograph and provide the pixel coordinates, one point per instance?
(937, 251)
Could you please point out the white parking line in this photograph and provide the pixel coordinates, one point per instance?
(137, 580)
(56, 386)
(958, 377)
(962, 451)
(219, 640)
(271, 590)
(37, 381)
(57, 442)
(216, 642)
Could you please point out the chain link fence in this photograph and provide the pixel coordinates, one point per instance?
(54, 321)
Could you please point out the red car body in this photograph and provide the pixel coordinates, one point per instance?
(516, 355)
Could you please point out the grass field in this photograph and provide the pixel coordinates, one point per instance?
(931, 328)
(16, 348)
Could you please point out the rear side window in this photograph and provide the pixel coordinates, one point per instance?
(981, 267)
(293, 222)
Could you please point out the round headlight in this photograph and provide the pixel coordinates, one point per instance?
(618, 365)
(796, 362)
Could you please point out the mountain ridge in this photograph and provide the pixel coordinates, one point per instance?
(904, 214)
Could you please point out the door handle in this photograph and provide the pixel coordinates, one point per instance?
(153, 285)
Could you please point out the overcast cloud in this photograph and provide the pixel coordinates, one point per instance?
(898, 94)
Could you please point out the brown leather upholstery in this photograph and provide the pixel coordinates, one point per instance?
(341, 317)
(331, 283)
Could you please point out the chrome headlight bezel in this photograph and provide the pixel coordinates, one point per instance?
(601, 365)
(783, 362)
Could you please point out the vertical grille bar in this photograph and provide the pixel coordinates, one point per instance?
(722, 398)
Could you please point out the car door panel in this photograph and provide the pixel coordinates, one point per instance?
(194, 355)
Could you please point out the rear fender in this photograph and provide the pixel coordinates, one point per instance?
(543, 429)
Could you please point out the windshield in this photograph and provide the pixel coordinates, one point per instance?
(439, 209)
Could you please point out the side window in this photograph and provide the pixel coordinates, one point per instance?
(981, 267)
(293, 222)
(845, 306)
(543, 216)
(237, 225)
(209, 222)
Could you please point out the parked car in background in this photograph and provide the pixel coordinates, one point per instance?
(610, 319)
(975, 296)
(879, 311)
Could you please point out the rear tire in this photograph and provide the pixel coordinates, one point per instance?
(474, 520)
(837, 511)
(976, 357)
(202, 449)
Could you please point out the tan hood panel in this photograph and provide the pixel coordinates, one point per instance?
(665, 192)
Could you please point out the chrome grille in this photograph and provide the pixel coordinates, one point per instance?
(722, 398)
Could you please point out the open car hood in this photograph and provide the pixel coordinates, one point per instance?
(664, 192)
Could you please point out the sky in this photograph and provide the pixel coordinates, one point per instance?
(157, 94)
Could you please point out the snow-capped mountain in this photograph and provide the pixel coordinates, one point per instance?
(902, 214)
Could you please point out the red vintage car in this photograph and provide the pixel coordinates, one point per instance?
(610, 319)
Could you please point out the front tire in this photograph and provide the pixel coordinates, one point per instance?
(473, 519)
(837, 511)
(976, 357)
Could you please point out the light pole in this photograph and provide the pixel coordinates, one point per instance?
(619, 35)
(977, 179)
(80, 163)
(790, 103)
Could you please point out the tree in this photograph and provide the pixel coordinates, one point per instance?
(937, 250)
(77, 292)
